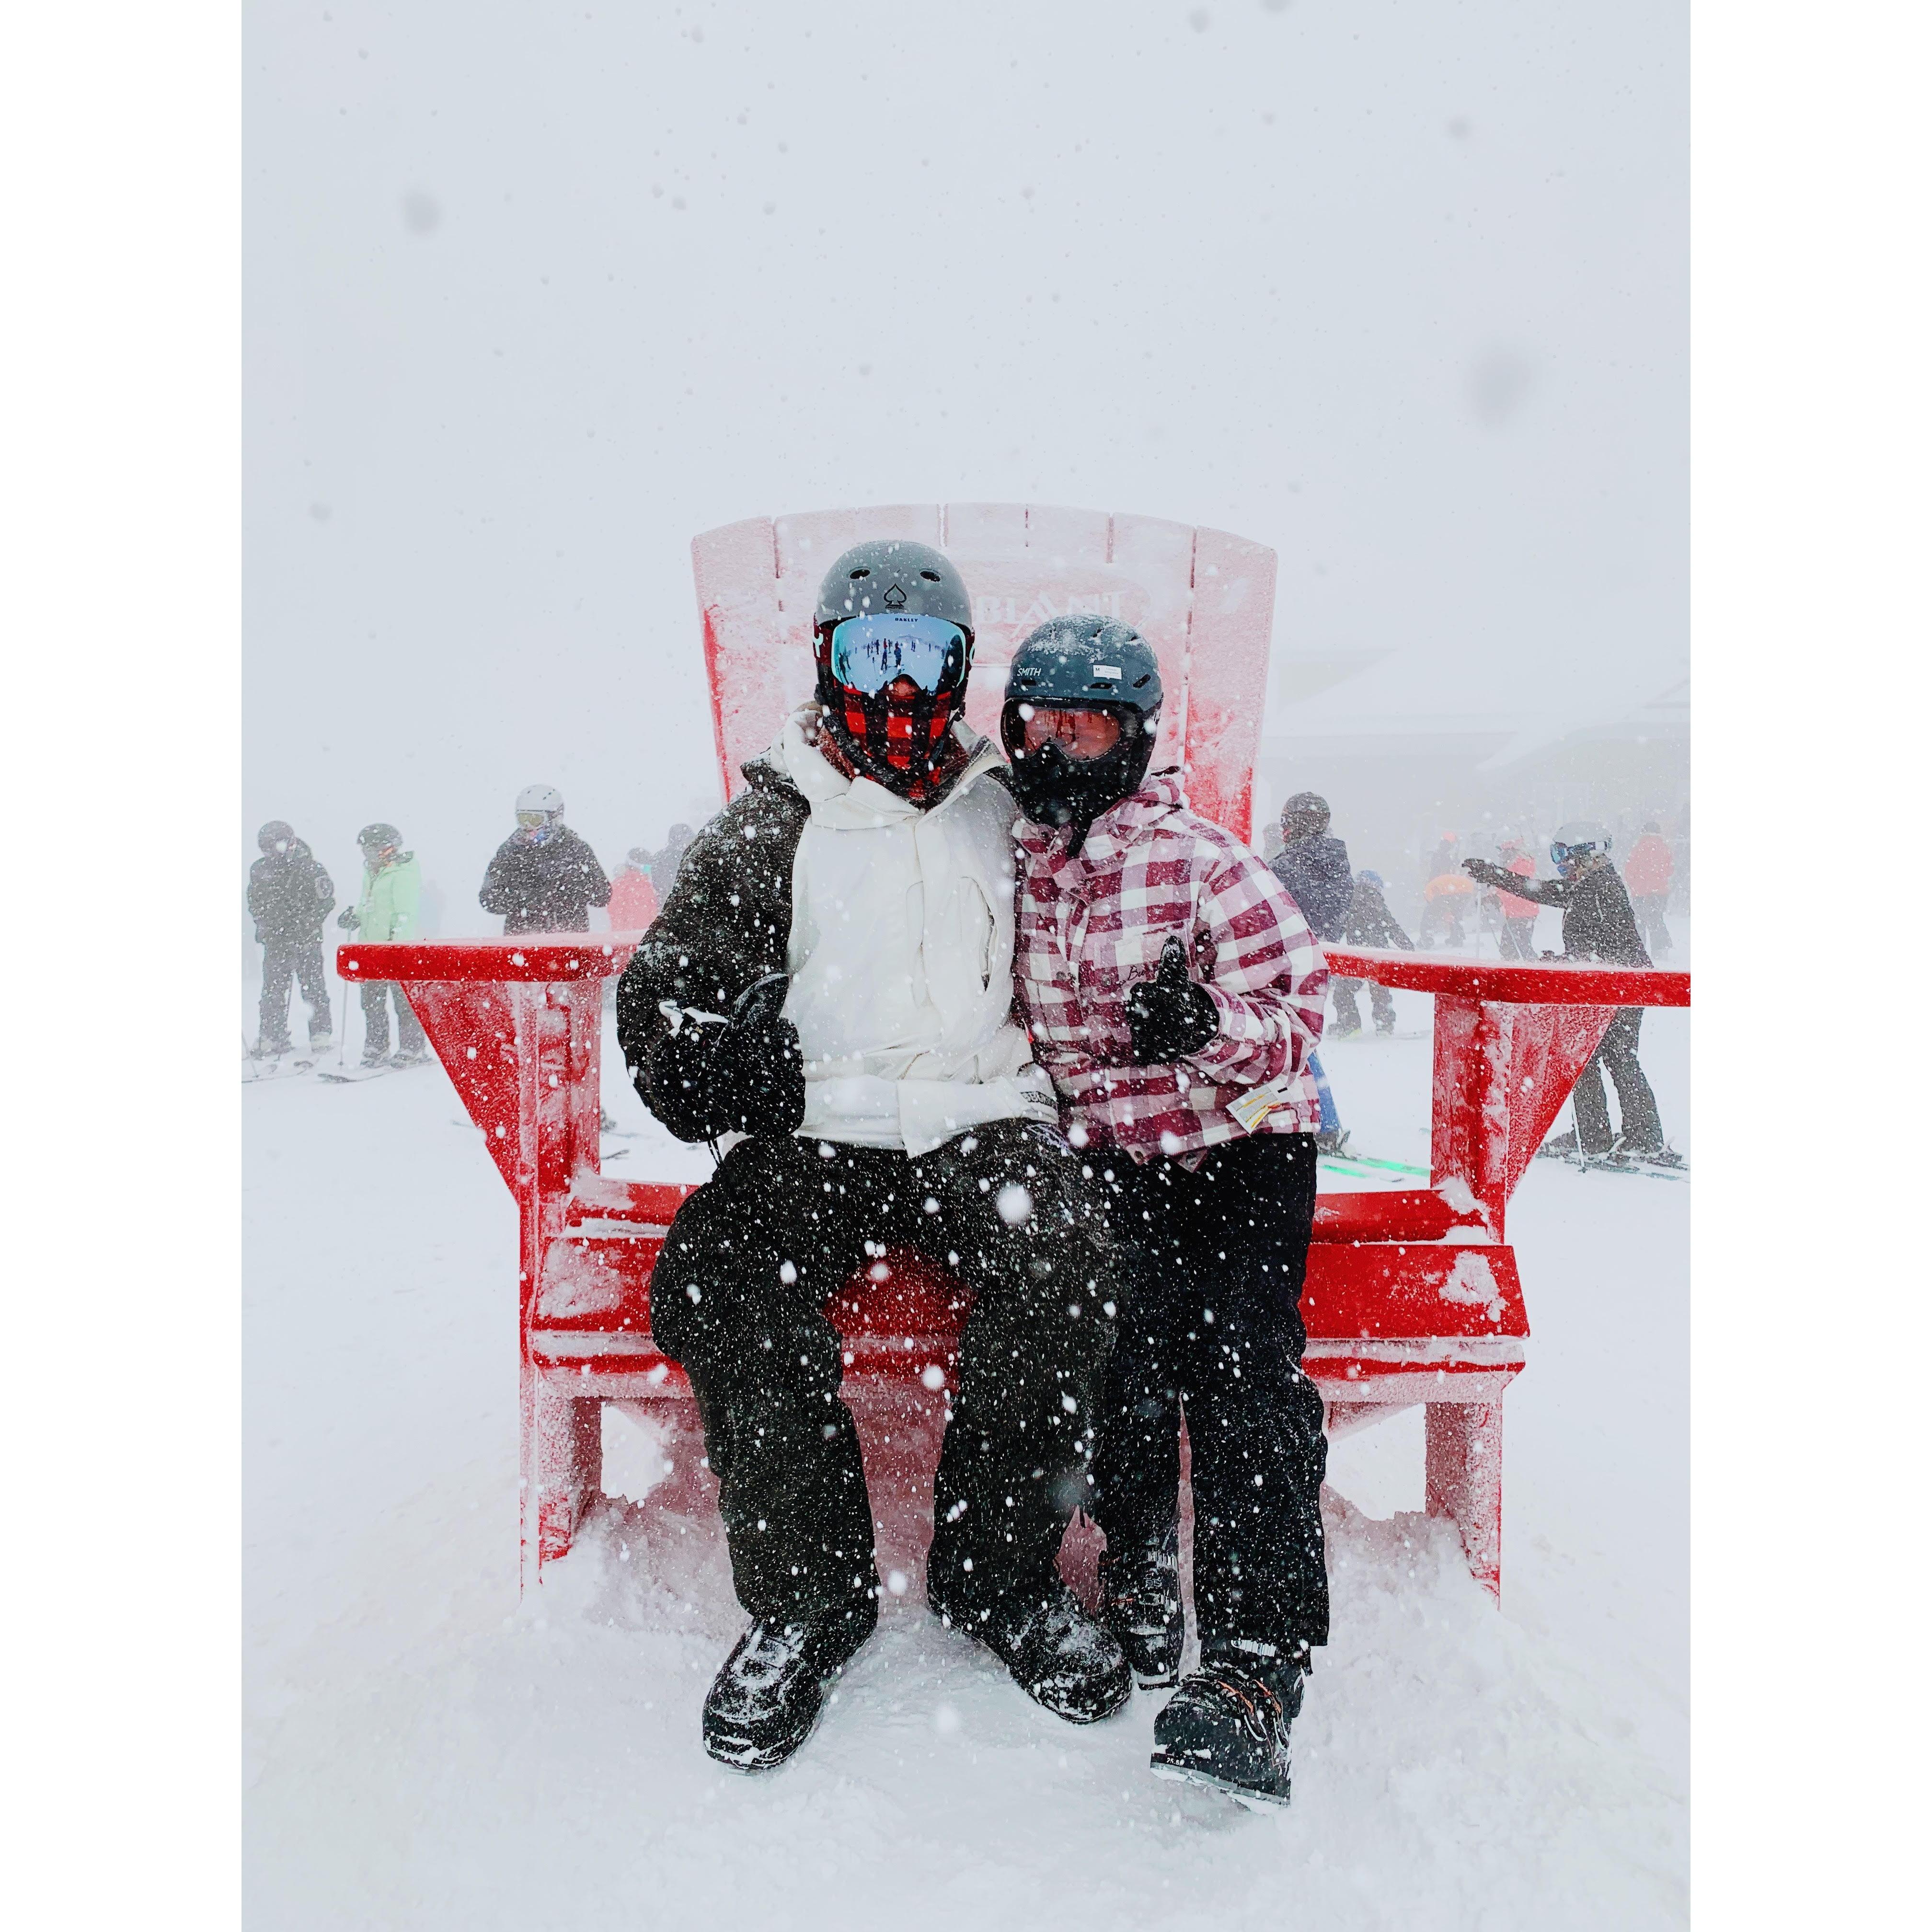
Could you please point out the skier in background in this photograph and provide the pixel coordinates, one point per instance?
(392, 895)
(1446, 900)
(1314, 867)
(1519, 928)
(664, 866)
(1647, 878)
(1369, 923)
(1175, 992)
(544, 878)
(1597, 924)
(290, 896)
(634, 899)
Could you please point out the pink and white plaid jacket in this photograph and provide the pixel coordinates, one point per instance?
(1091, 927)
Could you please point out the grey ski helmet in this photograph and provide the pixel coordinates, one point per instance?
(906, 605)
(276, 832)
(1081, 664)
(378, 837)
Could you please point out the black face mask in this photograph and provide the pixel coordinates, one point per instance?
(1055, 788)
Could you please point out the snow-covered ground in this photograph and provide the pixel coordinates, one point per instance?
(426, 1750)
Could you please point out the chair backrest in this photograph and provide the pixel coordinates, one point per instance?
(1203, 599)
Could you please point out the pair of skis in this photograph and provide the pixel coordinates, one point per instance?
(1366, 1166)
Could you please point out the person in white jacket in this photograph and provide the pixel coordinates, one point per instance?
(832, 979)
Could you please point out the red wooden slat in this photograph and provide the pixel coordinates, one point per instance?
(1513, 983)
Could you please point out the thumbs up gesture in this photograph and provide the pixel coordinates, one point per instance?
(1171, 1015)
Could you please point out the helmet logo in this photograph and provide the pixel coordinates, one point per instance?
(894, 598)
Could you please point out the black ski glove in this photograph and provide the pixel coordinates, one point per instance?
(1170, 1015)
(746, 1075)
(348, 919)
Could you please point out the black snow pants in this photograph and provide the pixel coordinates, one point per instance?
(377, 995)
(1617, 1056)
(1348, 1015)
(299, 960)
(1212, 1329)
(738, 1298)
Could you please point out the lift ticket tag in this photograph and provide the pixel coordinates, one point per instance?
(1256, 1104)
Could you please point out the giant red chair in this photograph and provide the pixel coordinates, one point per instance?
(1412, 1296)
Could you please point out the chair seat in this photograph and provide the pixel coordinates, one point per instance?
(1379, 1312)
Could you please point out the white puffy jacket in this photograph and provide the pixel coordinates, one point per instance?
(902, 957)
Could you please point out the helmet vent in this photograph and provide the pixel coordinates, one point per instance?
(930, 576)
(1142, 679)
(857, 574)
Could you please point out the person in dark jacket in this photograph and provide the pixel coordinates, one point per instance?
(289, 895)
(664, 865)
(1369, 923)
(1597, 924)
(1314, 867)
(544, 878)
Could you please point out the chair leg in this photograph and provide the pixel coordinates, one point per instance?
(569, 1468)
(1465, 1482)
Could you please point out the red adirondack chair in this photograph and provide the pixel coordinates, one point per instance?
(1411, 1296)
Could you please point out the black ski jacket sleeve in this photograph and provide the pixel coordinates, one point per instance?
(726, 924)
(1598, 922)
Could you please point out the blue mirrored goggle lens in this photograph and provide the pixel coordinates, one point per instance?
(867, 652)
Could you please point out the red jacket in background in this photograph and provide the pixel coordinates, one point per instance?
(634, 900)
(1647, 875)
(1524, 866)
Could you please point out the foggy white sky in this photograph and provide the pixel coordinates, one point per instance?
(535, 293)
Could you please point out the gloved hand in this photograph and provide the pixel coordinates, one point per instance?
(746, 1075)
(1170, 1015)
(348, 919)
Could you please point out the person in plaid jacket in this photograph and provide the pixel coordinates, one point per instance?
(1175, 994)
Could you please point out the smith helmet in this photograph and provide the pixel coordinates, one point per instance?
(1081, 712)
(890, 609)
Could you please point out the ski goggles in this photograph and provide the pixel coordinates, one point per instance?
(1079, 732)
(531, 820)
(867, 652)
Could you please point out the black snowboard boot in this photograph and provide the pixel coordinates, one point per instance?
(1140, 1602)
(1058, 1655)
(765, 1700)
(1226, 1727)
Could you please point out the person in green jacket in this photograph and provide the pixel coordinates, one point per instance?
(391, 895)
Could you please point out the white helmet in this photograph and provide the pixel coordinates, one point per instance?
(540, 798)
(1577, 841)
